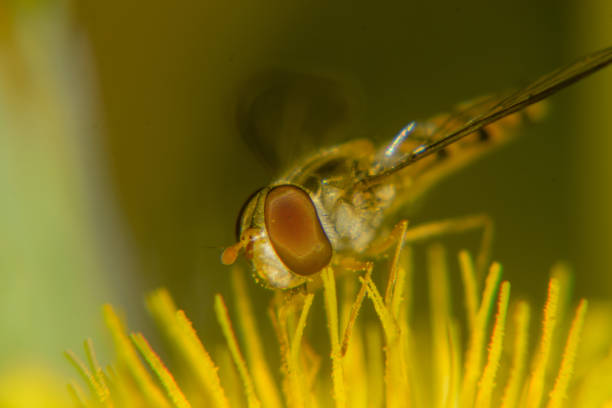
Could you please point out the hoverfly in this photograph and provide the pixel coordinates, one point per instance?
(333, 203)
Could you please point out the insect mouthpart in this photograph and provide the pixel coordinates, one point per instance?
(295, 231)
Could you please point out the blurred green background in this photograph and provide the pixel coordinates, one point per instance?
(121, 167)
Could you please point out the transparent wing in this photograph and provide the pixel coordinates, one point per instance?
(473, 117)
(417, 136)
(283, 115)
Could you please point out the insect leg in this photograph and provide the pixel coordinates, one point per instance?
(434, 229)
(397, 236)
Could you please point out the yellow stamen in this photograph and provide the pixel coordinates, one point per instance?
(419, 369)
(299, 331)
(95, 387)
(468, 275)
(519, 355)
(129, 357)
(264, 382)
(473, 363)
(538, 373)
(96, 370)
(165, 377)
(331, 310)
(293, 378)
(400, 230)
(230, 337)
(182, 335)
(354, 312)
(388, 323)
(487, 381)
(375, 365)
(455, 364)
(400, 304)
(77, 394)
(558, 394)
(440, 313)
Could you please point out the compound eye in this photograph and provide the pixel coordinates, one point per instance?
(295, 231)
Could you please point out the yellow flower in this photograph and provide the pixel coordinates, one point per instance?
(484, 358)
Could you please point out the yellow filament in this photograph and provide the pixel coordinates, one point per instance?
(158, 367)
(264, 382)
(403, 274)
(230, 337)
(96, 370)
(468, 275)
(357, 381)
(595, 388)
(182, 335)
(305, 382)
(354, 312)
(129, 357)
(200, 360)
(538, 373)
(388, 323)
(296, 381)
(398, 294)
(440, 311)
(396, 380)
(374, 366)
(95, 387)
(312, 371)
(400, 231)
(331, 310)
(397, 355)
(455, 364)
(558, 394)
(563, 274)
(299, 331)
(77, 394)
(519, 356)
(473, 363)
(487, 381)
(290, 384)
(366, 368)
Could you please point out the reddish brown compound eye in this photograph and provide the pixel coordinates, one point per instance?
(295, 231)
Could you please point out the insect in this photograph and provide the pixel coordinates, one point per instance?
(332, 204)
